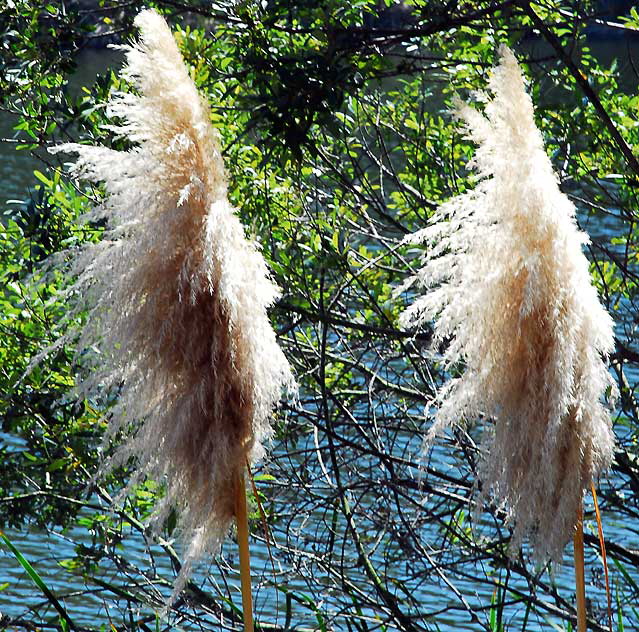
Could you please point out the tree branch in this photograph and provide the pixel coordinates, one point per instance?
(581, 80)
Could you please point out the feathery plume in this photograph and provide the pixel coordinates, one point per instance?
(509, 287)
(176, 299)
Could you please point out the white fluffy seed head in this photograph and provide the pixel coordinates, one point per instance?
(508, 286)
(176, 297)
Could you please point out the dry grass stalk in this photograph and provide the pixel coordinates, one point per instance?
(509, 287)
(176, 298)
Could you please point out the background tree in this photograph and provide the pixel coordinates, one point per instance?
(338, 142)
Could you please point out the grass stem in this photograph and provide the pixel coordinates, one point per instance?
(602, 544)
(580, 583)
(241, 518)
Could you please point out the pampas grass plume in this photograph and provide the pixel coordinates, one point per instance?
(176, 299)
(508, 286)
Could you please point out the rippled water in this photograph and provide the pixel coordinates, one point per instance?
(44, 550)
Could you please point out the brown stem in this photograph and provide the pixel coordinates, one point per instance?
(580, 582)
(241, 519)
(602, 544)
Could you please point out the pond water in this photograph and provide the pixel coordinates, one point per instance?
(44, 550)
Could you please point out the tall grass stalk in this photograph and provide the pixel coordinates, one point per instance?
(505, 279)
(176, 299)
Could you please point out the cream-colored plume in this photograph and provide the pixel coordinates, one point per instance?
(508, 285)
(176, 298)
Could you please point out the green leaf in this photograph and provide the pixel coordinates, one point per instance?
(37, 580)
(264, 477)
(621, 568)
